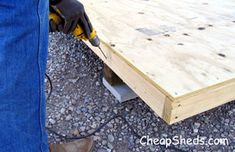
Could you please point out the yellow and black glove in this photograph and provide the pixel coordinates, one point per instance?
(73, 13)
(53, 25)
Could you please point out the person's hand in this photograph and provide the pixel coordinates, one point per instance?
(73, 13)
(53, 25)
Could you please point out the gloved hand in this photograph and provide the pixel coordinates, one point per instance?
(73, 13)
(53, 26)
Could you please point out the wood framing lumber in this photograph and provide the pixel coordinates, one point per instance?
(116, 86)
(111, 77)
(178, 56)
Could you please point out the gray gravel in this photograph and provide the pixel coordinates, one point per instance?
(80, 103)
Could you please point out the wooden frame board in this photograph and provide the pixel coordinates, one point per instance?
(178, 56)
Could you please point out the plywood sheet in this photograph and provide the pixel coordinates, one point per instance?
(182, 48)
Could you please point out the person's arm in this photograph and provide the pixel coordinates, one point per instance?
(73, 13)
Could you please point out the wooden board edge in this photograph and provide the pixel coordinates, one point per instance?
(193, 105)
(151, 95)
(204, 90)
(167, 113)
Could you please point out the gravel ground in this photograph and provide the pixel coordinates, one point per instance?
(80, 103)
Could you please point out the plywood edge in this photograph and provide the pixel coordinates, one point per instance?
(145, 89)
(203, 90)
(197, 103)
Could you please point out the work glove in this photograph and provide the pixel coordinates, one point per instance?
(73, 13)
(54, 27)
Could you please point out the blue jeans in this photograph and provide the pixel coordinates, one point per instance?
(23, 55)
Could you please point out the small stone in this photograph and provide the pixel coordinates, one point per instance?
(78, 111)
(100, 68)
(96, 138)
(76, 132)
(110, 138)
(71, 108)
(73, 80)
(106, 94)
(197, 125)
(74, 102)
(97, 118)
(91, 131)
(93, 126)
(215, 130)
(52, 121)
(226, 120)
(104, 142)
(137, 141)
(110, 145)
(110, 125)
(62, 110)
(218, 126)
(58, 116)
(105, 109)
(69, 117)
(155, 129)
(152, 148)
(102, 115)
(97, 83)
(83, 109)
(82, 128)
(195, 130)
(115, 111)
(117, 121)
(75, 124)
(101, 150)
(164, 135)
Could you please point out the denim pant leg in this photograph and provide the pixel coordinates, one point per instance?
(23, 54)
